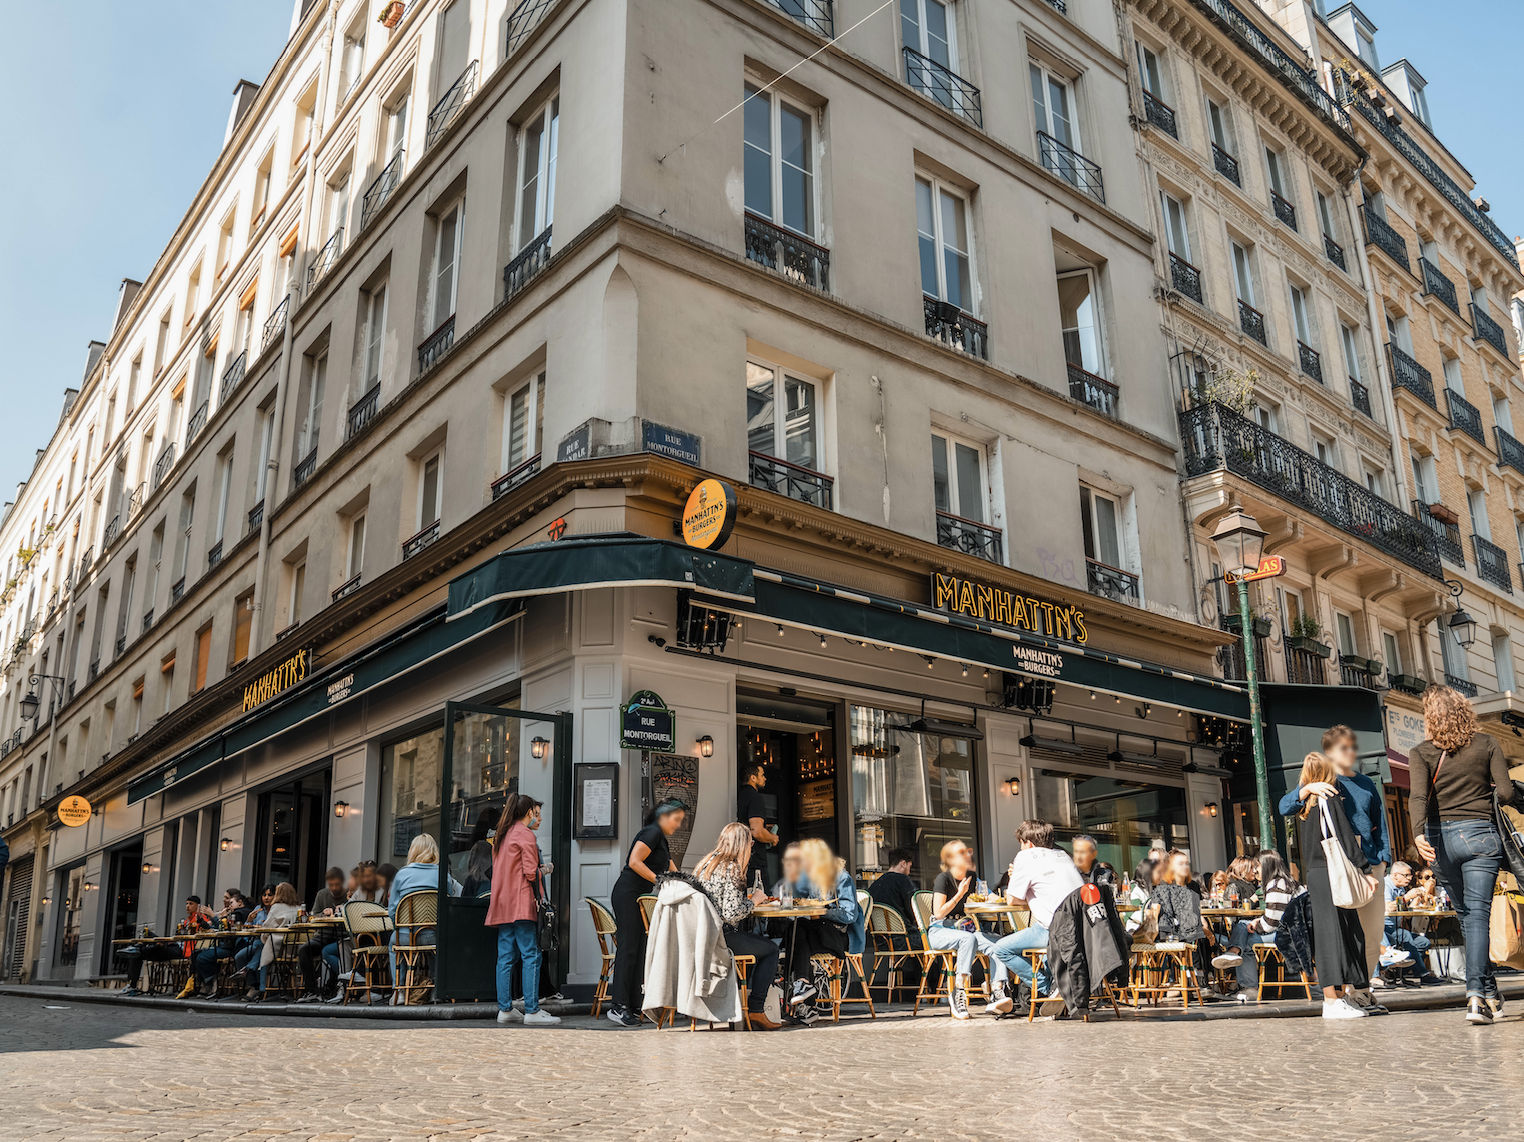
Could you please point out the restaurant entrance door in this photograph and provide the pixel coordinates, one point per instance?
(122, 902)
(794, 740)
(291, 841)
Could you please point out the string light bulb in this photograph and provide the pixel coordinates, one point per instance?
(965, 670)
(931, 663)
(780, 630)
(822, 642)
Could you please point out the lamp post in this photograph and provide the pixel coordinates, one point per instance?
(29, 706)
(1240, 543)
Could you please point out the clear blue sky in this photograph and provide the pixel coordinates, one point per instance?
(112, 135)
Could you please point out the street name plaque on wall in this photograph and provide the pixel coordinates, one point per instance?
(647, 723)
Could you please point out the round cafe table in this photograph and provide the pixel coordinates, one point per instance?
(802, 910)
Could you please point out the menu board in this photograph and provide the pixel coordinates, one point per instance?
(817, 800)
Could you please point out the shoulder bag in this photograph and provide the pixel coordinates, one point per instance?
(547, 926)
(1351, 888)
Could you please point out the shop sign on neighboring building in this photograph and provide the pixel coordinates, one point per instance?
(1008, 608)
(278, 680)
(647, 723)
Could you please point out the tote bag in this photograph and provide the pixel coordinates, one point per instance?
(1351, 888)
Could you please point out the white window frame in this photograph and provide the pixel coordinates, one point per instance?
(354, 560)
(1290, 596)
(1182, 219)
(548, 113)
(1455, 380)
(1299, 315)
(1350, 347)
(1391, 650)
(394, 134)
(437, 457)
(338, 208)
(984, 493)
(1102, 369)
(1121, 504)
(923, 34)
(1049, 78)
(298, 588)
(1342, 621)
(1480, 523)
(224, 492)
(1220, 126)
(1325, 215)
(312, 415)
(781, 376)
(457, 211)
(1158, 88)
(1276, 178)
(352, 58)
(266, 442)
(1243, 272)
(534, 388)
(776, 101)
(375, 333)
(938, 188)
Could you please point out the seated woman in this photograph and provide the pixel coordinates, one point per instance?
(722, 872)
(282, 913)
(1219, 886)
(1243, 881)
(951, 928)
(1279, 889)
(1180, 905)
(1147, 874)
(478, 875)
(843, 928)
(421, 873)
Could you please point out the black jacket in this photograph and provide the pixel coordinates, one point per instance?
(1293, 937)
(1086, 945)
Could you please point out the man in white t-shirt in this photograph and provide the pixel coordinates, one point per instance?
(1042, 876)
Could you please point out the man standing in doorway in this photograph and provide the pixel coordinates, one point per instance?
(1366, 810)
(751, 813)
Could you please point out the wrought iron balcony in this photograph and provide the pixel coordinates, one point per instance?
(1492, 563)
(1510, 451)
(381, 187)
(285, 632)
(135, 501)
(113, 531)
(214, 556)
(816, 15)
(325, 259)
(1360, 397)
(1311, 359)
(1335, 252)
(257, 516)
(414, 544)
(363, 411)
(1294, 74)
(946, 87)
(86, 561)
(1216, 439)
(1185, 277)
(1463, 685)
(1111, 582)
(788, 479)
(1230, 658)
(232, 377)
(788, 252)
(1409, 374)
(1252, 322)
(348, 587)
(1352, 675)
(177, 590)
(1099, 393)
(512, 479)
(121, 643)
(1447, 536)
(275, 325)
(1464, 416)
(303, 471)
(163, 464)
(1434, 282)
(1071, 166)
(1160, 114)
(197, 422)
(1226, 165)
(1488, 330)
(523, 269)
(1283, 209)
(148, 619)
(1305, 667)
(450, 104)
(1059, 6)
(947, 323)
(1379, 233)
(970, 537)
(524, 19)
(436, 345)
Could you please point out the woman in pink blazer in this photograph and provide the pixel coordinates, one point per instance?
(514, 909)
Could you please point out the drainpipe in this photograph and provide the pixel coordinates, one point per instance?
(283, 386)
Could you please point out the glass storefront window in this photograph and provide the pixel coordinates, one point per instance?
(909, 790)
(73, 884)
(1126, 817)
(484, 770)
(410, 774)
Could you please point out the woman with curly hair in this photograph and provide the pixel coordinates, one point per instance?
(1454, 773)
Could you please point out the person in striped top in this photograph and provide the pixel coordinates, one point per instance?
(1279, 888)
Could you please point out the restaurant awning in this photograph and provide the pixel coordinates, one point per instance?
(1295, 718)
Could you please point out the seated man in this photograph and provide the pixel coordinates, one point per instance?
(235, 911)
(1399, 944)
(1042, 876)
(196, 918)
(1090, 869)
(324, 942)
(894, 889)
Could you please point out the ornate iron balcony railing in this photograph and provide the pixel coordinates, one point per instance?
(1099, 393)
(1160, 114)
(214, 556)
(1071, 166)
(1464, 416)
(788, 479)
(450, 104)
(285, 632)
(1492, 563)
(1216, 438)
(512, 479)
(816, 15)
(436, 345)
(381, 188)
(1311, 361)
(525, 18)
(1111, 582)
(1510, 451)
(1335, 252)
(1352, 675)
(1436, 283)
(348, 587)
(1379, 233)
(1447, 536)
(1059, 6)
(1283, 209)
(1464, 685)
(1409, 374)
(232, 377)
(163, 464)
(363, 411)
(275, 324)
(788, 252)
(177, 590)
(969, 536)
(530, 261)
(1360, 397)
(113, 530)
(1305, 667)
(148, 619)
(197, 422)
(1293, 74)
(325, 259)
(303, 471)
(1252, 322)
(947, 323)
(414, 544)
(257, 516)
(1185, 277)
(121, 643)
(1226, 165)
(1230, 658)
(946, 87)
(1488, 330)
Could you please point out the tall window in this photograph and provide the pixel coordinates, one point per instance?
(338, 207)
(182, 541)
(1476, 501)
(538, 143)
(243, 624)
(1176, 233)
(352, 59)
(1299, 315)
(1220, 121)
(375, 335)
(1053, 103)
(958, 477)
(943, 233)
(1351, 352)
(454, 45)
(266, 441)
(1273, 163)
(1151, 71)
(312, 413)
(224, 491)
(928, 28)
(203, 657)
(792, 433)
(1425, 480)
(1391, 653)
(447, 247)
(298, 589)
(396, 128)
(1502, 660)
(156, 561)
(779, 141)
(1101, 523)
(1080, 315)
(429, 491)
(1344, 629)
(1453, 379)
(356, 557)
(1243, 274)
(261, 190)
(523, 423)
(1326, 216)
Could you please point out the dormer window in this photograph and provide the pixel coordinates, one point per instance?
(1353, 27)
(1408, 86)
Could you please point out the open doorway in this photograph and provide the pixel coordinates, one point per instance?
(794, 740)
(291, 838)
(122, 903)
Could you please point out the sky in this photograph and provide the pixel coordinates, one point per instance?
(108, 142)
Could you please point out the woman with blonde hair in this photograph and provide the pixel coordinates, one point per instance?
(843, 928)
(722, 873)
(952, 929)
(1338, 937)
(1454, 774)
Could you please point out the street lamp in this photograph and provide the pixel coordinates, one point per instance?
(29, 705)
(1240, 544)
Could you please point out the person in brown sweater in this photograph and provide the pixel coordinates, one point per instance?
(1454, 773)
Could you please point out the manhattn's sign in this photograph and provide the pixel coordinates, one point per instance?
(275, 681)
(1008, 608)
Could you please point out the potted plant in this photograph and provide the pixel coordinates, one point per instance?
(1444, 514)
(1411, 683)
(1375, 667)
(1261, 625)
(1306, 633)
(391, 14)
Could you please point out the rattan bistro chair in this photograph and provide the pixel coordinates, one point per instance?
(369, 927)
(606, 929)
(840, 969)
(647, 906)
(891, 947)
(1155, 963)
(946, 957)
(417, 917)
(1265, 954)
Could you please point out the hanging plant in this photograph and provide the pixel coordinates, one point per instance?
(391, 15)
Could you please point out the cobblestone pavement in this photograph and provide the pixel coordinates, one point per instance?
(83, 1072)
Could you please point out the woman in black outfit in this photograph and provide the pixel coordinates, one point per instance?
(1338, 940)
(649, 858)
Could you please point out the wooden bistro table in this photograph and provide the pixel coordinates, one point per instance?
(799, 910)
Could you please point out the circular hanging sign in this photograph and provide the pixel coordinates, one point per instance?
(709, 515)
(73, 811)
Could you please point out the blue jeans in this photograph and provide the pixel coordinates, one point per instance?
(1470, 853)
(1008, 951)
(1244, 940)
(518, 942)
(967, 945)
(247, 954)
(205, 962)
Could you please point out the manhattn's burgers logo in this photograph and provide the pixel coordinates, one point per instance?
(1008, 608)
(709, 515)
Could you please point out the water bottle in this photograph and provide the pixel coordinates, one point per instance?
(756, 881)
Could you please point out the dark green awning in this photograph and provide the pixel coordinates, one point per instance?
(1295, 718)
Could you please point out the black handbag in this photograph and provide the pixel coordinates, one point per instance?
(547, 927)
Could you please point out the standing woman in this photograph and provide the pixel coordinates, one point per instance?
(649, 858)
(1338, 938)
(515, 911)
(1454, 774)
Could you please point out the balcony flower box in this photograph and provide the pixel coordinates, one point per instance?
(1361, 663)
(1411, 683)
(392, 14)
(1311, 645)
(1261, 626)
(1444, 514)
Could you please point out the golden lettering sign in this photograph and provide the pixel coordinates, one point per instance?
(73, 811)
(272, 682)
(1008, 608)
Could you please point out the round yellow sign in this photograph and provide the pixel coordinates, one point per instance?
(709, 515)
(73, 811)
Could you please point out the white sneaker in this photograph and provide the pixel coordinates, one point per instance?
(346, 976)
(1392, 957)
(1227, 960)
(1339, 1009)
(540, 1019)
(1000, 1003)
(510, 1016)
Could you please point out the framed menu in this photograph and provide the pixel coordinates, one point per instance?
(595, 809)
